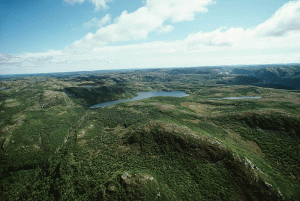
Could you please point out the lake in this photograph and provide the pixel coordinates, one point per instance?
(143, 95)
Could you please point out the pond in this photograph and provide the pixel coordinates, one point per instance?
(143, 95)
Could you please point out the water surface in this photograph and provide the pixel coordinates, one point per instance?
(143, 95)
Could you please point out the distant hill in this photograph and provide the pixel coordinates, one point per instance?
(287, 77)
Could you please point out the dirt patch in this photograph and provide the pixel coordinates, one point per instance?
(6, 141)
(37, 145)
(136, 185)
(49, 94)
(62, 113)
(218, 94)
(82, 142)
(183, 130)
(9, 128)
(91, 126)
(123, 149)
(10, 100)
(154, 157)
(197, 107)
(18, 119)
(11, 103)
(65, 84)
(287, 97)
(193, 121)
(57, 87)
(136, 103)
(135, 111)
(119, 130)
(87, 83)
(166, 107)
(250, 146)
(93, 153)
(81, 133)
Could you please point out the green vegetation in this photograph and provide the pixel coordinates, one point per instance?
(200, 147)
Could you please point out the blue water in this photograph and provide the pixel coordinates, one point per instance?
(143, 95)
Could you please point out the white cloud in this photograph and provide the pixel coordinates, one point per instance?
(224, 39)
(129, 26)
(95, 22)
(165, 29)
(279, 32)
(74, 1)
(285, 20)
(178, 10)
(4, 58)
(99, 4)
(154, 54)
(137, 25)
(214, 38)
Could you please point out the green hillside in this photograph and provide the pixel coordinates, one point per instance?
(199, 147)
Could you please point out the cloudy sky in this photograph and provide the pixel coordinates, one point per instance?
(79, 35)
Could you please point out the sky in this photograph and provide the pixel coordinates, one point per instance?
(84, 35)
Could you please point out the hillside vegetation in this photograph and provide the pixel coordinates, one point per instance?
(199, 147)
